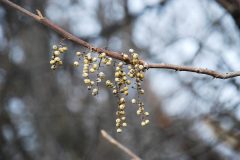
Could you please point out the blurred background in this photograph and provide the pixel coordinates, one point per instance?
(49, 115)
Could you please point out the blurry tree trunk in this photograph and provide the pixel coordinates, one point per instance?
(233, 8)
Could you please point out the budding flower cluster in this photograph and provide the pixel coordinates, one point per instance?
(121, 115)
(121, 79)
(123, 76)
(89, 66)
(56, 53)
(136, 71)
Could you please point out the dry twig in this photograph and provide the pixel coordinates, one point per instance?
(117, 55)
(109, 138)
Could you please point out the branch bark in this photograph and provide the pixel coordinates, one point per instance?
(106, 136)
(117, 55)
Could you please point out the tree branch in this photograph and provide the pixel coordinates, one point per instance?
(117, 55)
(106, 136)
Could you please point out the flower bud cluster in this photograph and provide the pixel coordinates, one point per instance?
(121, 115)
(56, 56)
(121, 79)
(124, 76)
(136, 71)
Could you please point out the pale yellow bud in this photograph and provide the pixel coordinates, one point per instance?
(122, 112)
(117, 74)
(128, 82)
(92, 70)
(135, 55)
(131, 50)
(133, 101)
(122, 106)
(130, 75)
(56, 53)
(118, 120)
(95, 66)
(108, 63)
(123, 118)
(78, 53)
(54, 47)
(64, 48)
(76, 63)
(146, 113)
(102, 55)
(108, 82)
(52, 62)
(61, 49)
(87, 81)
(122, 100)
(138, 112)
(114, 91)
(125, 56)
(147, 121)
(57, 59)
(101, 75)
(141, 75)
(94, 59)
(143, 123)
(85, 75)
(85, 61)
(119, 130)
(120, 64)
(118, 68)
(94, 91)
(140, 67)
(124, 124)
(53, 67)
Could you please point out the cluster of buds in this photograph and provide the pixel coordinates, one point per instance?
(121, 115)
(121, 79)
(110, 84)
(120, 85)
(56, 56)
(141, 112)
(90, 66)
(136, 71)
(104, 59)
(79, 55)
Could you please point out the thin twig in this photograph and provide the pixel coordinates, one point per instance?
(109, 138)
(118, 55)
(206, 71)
